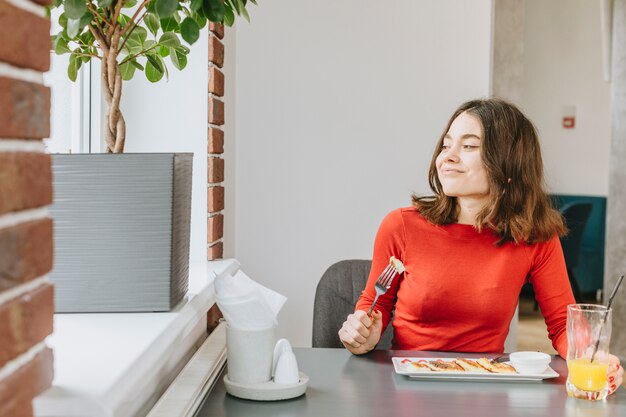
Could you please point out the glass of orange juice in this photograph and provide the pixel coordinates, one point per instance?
(588, 325)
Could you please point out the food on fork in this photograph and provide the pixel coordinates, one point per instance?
(497, 368)
(397, 265)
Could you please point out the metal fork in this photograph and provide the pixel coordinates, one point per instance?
(499, 359)
(383, 283)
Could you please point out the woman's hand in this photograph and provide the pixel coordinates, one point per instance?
(360, 333)
(615, 374)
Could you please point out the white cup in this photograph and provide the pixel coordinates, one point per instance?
(250, 354)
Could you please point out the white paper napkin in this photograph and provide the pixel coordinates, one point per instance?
(245, 303)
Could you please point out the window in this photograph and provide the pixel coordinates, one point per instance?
(73, 129)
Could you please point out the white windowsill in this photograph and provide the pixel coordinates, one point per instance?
(118, 364)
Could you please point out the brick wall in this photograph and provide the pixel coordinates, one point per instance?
(215, 163)
(26, 296)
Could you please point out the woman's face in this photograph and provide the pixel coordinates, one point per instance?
(459, 164)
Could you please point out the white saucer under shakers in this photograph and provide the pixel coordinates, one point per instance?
(267, 391)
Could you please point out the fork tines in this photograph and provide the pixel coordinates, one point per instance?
(387, 276)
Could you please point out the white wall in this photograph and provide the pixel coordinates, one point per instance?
(337, 109)
(171, 116)
(563, 66)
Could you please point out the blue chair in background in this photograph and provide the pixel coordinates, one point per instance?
(576, 215)
(583, 247)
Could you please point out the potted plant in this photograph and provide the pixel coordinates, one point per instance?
(133, 35)
(122, 221)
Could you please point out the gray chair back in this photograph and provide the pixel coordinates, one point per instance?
(337, 293)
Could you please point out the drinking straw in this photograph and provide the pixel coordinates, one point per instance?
(608, 307)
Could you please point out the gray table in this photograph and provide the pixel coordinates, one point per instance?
(345, 385)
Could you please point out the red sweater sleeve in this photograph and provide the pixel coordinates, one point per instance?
(553, 291)
(390, 241)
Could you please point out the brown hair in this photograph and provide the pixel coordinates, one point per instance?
(519, 208)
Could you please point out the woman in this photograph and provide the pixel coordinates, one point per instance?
(468, 249)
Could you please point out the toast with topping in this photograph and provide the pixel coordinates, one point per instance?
(444, 366)
(496, 368)
(470, 365)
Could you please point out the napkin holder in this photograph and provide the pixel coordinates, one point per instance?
(252, 359)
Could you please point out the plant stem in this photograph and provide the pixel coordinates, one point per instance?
(131, 30)
(82, 54)
(95, 31)
(128, 58)
(132, 19)
(94, 11)
(116, 14)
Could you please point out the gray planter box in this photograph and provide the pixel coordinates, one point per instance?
(121, 231)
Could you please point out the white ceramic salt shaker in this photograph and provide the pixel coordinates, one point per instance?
(287, 369)
(281, 346)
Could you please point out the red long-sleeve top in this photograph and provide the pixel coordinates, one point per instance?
(460, 290)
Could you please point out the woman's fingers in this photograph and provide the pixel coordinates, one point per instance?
(359, 331)
(615, 374)
(355, 330)
(356, 334)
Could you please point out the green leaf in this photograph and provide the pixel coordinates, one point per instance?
(189, 30)
(154, 69)
(178, 59)
(200, 19)
(156, 61)
(130, 3)
(64, 34)
(123, 19)
(140, 33)
(169, 24)
(133, 47)
(213, 10)
(182, 49)
(74, 9)
(164, 51)
(127, 70)
(229, 17)
(87, 38)
(170, 40)
(104, 3)
(196, 5)
(136, 64)
(73, 67)
(238, 4)
(63, 20)
(76, 26)
(152, 22)
(56, 3)
(60, 46)
(166, 8)
(85, 58)
(135, 42)
(245, 14)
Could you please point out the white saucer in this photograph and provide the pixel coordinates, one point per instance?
(267, 391)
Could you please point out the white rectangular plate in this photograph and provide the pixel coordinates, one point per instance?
(410, 371)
